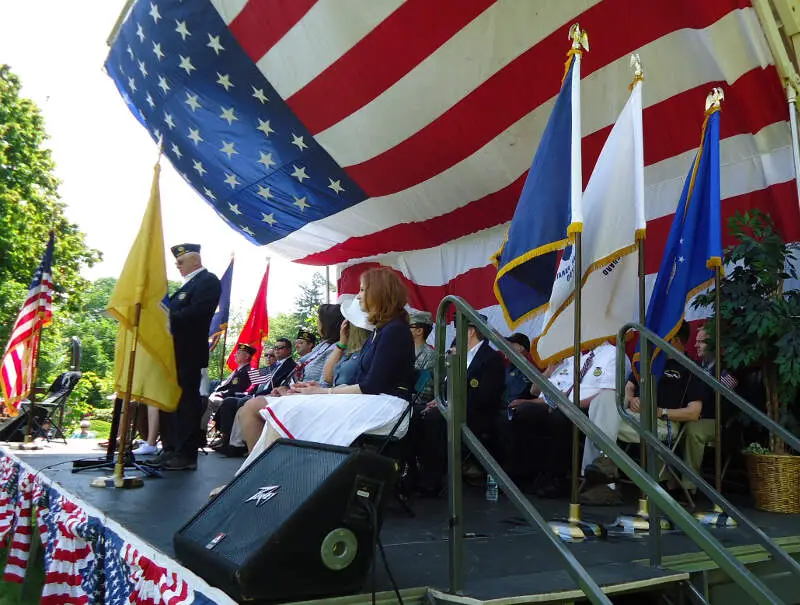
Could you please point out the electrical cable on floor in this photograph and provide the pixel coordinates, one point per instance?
(377, 546)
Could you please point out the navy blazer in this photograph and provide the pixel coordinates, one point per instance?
(486, 377)
(190, 311)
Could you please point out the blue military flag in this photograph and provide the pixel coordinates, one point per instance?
(547, 211)
(694, 246)
(219, 323)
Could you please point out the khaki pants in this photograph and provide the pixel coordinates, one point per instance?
(698, 434)
(628, 434)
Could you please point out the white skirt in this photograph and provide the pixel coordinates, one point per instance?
(330, 419)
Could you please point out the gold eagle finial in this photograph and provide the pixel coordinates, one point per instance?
(636, 66)
(715, 98)
(579, 37)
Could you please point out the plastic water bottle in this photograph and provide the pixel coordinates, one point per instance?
(492, 491)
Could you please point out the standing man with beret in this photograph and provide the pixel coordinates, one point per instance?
(190, 311)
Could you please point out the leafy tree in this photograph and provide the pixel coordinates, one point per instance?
(97, 332)
(759, 316)
(311, 297)
(30, 208)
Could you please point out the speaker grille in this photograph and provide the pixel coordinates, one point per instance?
(247, 520)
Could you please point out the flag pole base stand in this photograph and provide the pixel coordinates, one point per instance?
(127, 482)
(639, 522)
(29, 446)
(573, 529)
(715, 518)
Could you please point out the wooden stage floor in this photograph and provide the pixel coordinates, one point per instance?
(500, 546)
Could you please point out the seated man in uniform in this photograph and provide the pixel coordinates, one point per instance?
(682, 398)
(539, 434)
(236, 383)
(485, 380)
(284, 366)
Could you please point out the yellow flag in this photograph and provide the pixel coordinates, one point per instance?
(144, 281)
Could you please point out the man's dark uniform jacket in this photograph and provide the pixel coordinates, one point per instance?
(486, 377)
(237, 382)
(190, 311)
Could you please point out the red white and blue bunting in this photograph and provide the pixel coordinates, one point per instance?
(88, 558)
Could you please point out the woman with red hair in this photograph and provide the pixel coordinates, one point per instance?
(379, 394)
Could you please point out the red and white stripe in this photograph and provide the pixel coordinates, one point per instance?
(436, 110)
(8, 475)
(19, 553)
(72, 553)
(152, 583)
(18, 362)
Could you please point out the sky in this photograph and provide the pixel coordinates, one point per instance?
(105, 159)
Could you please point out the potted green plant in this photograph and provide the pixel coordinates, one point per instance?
(760, 331)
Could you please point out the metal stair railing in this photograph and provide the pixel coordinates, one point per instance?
(671, 459)
(456, 416)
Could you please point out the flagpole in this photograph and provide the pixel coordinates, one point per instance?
(222, 358)
(574, 504)
(643, 506)
(36, 337)
(718, 376)
(119, 480)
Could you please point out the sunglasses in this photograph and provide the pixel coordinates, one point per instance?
(269, 354)
(281, 347)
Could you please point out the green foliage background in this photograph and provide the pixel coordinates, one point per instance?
(29, 208)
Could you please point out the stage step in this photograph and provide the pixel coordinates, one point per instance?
(558, 586)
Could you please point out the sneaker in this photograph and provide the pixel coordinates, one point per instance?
(180, 463)
(145, 449)
(600, 495)
(602, 471)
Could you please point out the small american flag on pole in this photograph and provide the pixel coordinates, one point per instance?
(19, 359)
(259, 376)
(728, 380)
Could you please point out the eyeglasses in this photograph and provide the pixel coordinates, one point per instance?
(281, 347)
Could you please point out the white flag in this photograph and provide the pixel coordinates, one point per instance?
(613, 218)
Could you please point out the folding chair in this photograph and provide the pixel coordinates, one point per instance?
(55, 400)
(673, 446)
(393, 446)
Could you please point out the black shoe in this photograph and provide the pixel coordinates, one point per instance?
(601, 471)
(157, 460)
(232, 451)
(180, 463)
(600, 495)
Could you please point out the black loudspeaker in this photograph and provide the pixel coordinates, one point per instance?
(15, 428)
(299, 522)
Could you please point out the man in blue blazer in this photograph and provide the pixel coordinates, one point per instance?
(190, 311)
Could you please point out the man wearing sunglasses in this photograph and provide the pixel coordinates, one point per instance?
(277, 374)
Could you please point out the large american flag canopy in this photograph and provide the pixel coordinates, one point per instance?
(399, 133)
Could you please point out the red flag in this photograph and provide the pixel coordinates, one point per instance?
(256, 327)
